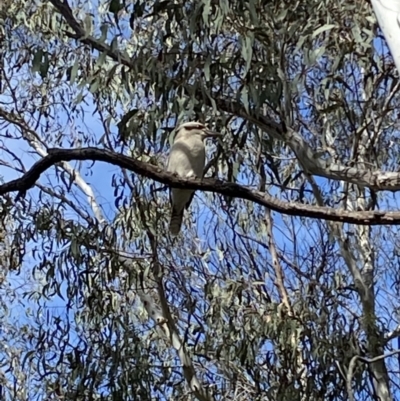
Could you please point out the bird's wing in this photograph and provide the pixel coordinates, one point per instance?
(199, 172)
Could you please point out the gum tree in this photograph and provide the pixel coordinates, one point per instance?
(283, 284)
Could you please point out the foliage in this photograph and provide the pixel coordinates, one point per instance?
(267, 306)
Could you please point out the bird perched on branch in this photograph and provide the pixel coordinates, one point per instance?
(186, 159)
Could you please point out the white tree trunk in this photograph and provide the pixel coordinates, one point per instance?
(388, 15)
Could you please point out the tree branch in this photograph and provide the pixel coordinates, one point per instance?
(231, 189)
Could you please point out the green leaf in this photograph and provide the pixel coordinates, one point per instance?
(88, 24)
(115, 6)
(235, 171)
(44, 66)
(321, 29)
(247, 51)
(253, 13)
(206, 10)
(100, 60)
(114, 44)
(103, 30)
(94, 86)
(37, 60)
(207, 69)
(74, 71)
(245, 98)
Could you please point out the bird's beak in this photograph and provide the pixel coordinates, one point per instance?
(212, 134)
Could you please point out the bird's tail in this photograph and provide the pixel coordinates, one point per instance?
(176, 222)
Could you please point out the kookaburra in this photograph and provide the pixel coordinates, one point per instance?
(186, 159)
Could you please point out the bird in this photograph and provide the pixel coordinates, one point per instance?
(186, 159)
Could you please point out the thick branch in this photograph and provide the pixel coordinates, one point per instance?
(54, 156)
